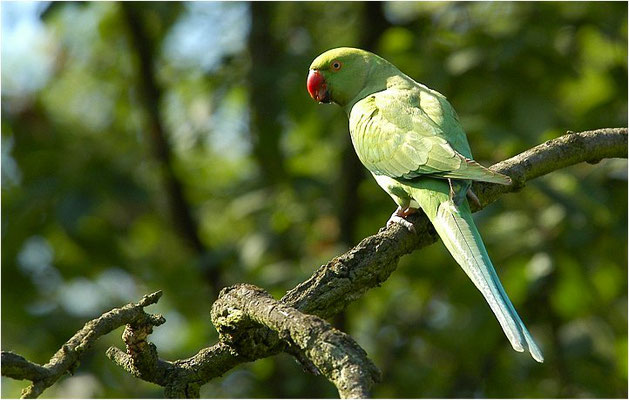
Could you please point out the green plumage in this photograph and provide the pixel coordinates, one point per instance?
(398, 132)
(411, 140)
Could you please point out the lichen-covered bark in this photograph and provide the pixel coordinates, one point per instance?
(346, 278)
(17, 367)
(253, 325)
(335, 354)
(67, 358)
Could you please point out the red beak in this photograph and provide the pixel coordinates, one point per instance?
(317, 87)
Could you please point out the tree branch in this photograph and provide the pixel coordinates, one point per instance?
(67, 358)
(17, 367)
(564, 151)
(150, 96)
(333, 352)
(253, 325)
(266, 100)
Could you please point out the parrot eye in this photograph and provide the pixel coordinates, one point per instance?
(336, 65)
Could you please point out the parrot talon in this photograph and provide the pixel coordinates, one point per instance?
(399, 216)
(399, 220)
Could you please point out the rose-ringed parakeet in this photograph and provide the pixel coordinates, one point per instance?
(410, 139)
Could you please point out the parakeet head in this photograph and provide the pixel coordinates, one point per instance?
(340, 74)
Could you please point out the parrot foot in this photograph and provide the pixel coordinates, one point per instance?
(399, 216)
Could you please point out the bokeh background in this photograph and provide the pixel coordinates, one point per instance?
(173, 146)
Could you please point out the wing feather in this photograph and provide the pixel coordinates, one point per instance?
(394, 136)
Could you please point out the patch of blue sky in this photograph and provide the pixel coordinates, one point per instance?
(206, 33)
(27, 48)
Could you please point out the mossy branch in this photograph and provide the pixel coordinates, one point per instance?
(335, 354)
(66, 359)
(253, 325)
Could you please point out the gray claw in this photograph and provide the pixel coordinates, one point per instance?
(399, 220)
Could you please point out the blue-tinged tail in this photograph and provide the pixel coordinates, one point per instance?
(457, 230)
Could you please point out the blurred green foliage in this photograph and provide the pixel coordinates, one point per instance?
(270, 180)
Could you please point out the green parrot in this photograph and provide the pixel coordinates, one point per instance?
(409, 137)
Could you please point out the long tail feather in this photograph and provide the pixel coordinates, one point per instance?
(472, 170)
(457, 230)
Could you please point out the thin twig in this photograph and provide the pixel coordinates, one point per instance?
(67, 358)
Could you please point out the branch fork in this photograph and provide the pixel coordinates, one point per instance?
(334, 353)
